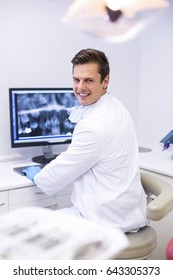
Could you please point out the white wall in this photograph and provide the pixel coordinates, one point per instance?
(156, 80)
(36, 50)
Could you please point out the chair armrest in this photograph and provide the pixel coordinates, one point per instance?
(162, 204)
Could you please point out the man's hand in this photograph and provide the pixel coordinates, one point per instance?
(31, 171)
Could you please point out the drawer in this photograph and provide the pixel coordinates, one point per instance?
(25, 195)
(53, 203)
(29, 194)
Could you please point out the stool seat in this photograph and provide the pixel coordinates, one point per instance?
(141, 243)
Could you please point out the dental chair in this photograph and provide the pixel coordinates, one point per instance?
(160, 202)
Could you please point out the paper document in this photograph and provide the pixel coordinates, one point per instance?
(39, 233)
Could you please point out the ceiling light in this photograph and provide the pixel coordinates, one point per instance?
(112, 20)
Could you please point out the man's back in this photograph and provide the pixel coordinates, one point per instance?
(110, 189)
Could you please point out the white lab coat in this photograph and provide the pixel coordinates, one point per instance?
(102, 162)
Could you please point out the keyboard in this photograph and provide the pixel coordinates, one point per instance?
(19, 169)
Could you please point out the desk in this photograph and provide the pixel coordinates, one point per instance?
(159, 163)
(12, 180)
(18, 191)
(156, 160)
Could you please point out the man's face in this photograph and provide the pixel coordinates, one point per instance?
(87, 84)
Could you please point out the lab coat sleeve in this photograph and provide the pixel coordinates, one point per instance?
(81, 155)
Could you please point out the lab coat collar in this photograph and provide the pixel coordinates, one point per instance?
(79, 112)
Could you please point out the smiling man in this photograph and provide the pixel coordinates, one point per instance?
(90, 78)
(102, 160)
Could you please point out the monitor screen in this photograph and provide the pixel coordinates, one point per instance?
(39, 117)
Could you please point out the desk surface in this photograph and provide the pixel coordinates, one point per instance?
(156, 160)
(9, 179)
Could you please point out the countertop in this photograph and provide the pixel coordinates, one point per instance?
(9, 179)
(156, 159)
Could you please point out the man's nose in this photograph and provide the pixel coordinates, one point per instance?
(82, 85)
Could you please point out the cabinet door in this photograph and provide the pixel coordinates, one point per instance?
(3, 202)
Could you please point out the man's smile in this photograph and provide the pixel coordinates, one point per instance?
(82, 94)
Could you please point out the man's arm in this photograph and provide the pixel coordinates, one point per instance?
(81, 155)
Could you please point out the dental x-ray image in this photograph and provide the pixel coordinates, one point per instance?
(44, 114)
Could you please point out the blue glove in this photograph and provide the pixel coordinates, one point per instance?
(31, 171)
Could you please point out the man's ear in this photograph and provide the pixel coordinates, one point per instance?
(106, 82)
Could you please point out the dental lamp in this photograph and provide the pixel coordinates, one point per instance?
(112, 20)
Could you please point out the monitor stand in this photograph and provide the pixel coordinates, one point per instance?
(47, 156)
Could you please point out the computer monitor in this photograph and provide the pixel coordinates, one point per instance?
(39, 117)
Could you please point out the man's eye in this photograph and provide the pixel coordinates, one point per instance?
(75, 80)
